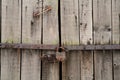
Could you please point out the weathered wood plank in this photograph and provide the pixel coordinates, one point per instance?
(85, 12)
(11, 33)
(103, 65)
(71, 67)
(87, 65)
(116, 37)
(31, 33)
(10, 64)
(116, 61)
(69, 22)
(102, 35)
(70, 36)
(116, 21)
(31, 65)
(0, 32)
(50, 71)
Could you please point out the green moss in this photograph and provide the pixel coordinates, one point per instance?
(114, 42)
(26, 40)
(70, 43)
(10, 40)
(55, 42)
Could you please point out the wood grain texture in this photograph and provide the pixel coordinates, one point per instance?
(50, 23)
(87, 65)
(31, 65)
(103, 65)
(50, 71)
(102, 35)
(31, 34)
(116, 37)
(116, 21)
(102, 21)
(11, 33)
(85, 12)
(0, 33)
(69, 22)
(116, 61)
(71, 67)
(70, 36)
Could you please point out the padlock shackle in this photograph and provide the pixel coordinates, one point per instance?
(60, 49)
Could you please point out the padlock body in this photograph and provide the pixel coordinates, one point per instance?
(61, 56)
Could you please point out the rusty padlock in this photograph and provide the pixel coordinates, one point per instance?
(61, 54)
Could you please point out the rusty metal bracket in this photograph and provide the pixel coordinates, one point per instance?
(54, 47)
(27, 46)
(94, 47)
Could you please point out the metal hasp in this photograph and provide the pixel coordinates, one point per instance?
(58, 56)
(53, 47)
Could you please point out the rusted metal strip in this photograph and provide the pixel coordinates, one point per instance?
(28, 46)
(54, 47)
(94, 47)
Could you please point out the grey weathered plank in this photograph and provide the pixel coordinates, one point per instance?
(31, 65)
(116, 61)
(69, 22)
(71, 67)
(116, 36)
(11, 33)
(70, 36)
(85, 12)
(87, 65)
(31, 33)
(0, 33)
(50, 71)
(102, 35)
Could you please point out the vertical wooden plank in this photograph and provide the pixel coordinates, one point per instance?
(70, 36)
(102, 35)
(11, 33)
(0, 32)
(31, 34)
(116, 21)
(116, 61)
(69, 22)
(71, 67)
(50, 71)
(116, 37)
(85, 11)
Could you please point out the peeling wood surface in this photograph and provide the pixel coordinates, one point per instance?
(31, 33)
(102, 35)
(11, 33)
(50, 71)
(116, 37)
